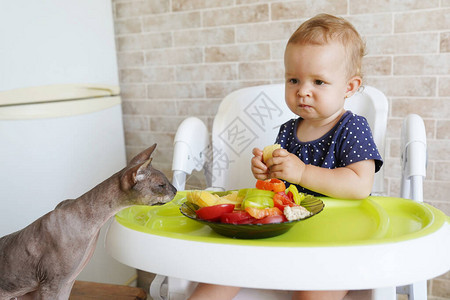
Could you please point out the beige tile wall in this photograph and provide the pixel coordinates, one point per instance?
(179, 58)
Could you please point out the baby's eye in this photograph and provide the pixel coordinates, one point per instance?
(293, 81)
(319, 82)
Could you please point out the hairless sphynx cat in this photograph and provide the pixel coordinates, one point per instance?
(42, 260)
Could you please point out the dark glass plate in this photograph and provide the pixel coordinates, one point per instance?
(253, 231)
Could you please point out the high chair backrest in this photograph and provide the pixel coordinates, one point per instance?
(251, 117)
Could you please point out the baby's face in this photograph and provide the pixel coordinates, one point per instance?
(316, 81)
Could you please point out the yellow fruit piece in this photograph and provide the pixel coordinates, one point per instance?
(209, 199)
(268, 150)
(193, 196)
(232, 198)
(205, 198)
(202, 198)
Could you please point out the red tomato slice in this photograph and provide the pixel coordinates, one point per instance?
(237, 217)
(265, 212)
(260, 184)
(213, 213)
(271, 219)
(290, 196)
(282, 200)
(273, 184)
(278, 203)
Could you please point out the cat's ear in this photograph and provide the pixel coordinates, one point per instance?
(143, 156)
(133, 174)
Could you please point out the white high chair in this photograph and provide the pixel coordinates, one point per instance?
(163, 241)
(249, 118)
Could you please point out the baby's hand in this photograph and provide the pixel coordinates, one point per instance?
(286, 166)
(259, 168)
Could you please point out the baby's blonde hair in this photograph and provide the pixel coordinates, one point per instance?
(324, 28)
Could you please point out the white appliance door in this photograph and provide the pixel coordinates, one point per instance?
(56, 144)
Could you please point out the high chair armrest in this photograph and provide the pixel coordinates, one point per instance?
(413, 157)
(191, 145)
(414, 147)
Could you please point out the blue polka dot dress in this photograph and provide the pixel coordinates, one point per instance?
(349, 141)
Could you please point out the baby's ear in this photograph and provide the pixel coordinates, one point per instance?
(353, 86)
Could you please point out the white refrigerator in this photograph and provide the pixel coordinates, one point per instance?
(61, 130)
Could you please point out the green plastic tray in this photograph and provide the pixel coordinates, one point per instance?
(341, 223)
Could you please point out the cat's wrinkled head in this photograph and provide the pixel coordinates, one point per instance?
(145, 184)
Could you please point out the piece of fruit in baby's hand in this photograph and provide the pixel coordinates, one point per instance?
(268, 150)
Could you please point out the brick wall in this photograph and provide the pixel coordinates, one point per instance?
(179, 58)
